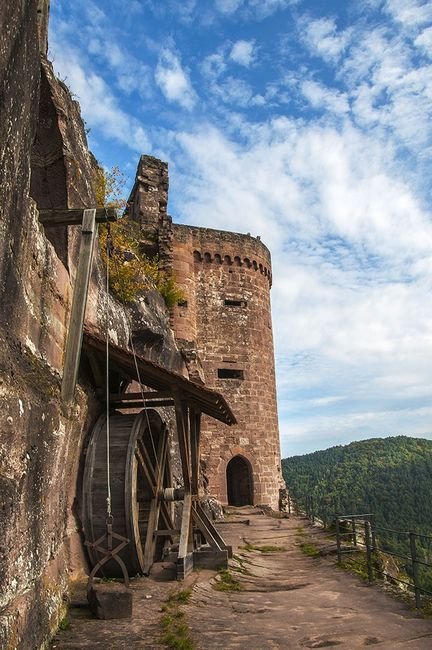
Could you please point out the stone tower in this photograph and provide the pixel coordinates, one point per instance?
(223, 327)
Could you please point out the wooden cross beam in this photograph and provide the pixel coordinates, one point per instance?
(73, 217)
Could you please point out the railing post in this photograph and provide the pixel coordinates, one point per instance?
(354, 536)
(414, 564)
(338, 541)
(374, 544)
(368, 550)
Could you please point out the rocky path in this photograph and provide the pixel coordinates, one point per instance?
(272, 599)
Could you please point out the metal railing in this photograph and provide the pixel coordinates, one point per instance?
(357, 532)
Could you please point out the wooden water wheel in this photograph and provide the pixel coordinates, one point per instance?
(139, 469)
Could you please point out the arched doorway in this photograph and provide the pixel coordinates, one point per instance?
(239, 482)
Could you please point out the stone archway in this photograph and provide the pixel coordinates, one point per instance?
(239, 482)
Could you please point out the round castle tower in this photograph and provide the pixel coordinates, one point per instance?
(224, 329)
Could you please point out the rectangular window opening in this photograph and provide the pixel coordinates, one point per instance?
(230, 373)
(235, 303)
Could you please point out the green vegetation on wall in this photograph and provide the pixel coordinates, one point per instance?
(131, 272)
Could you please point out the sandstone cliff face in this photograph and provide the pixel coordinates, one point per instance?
(45, 162)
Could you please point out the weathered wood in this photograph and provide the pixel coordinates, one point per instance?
(139, 405)
(155, 506)
(146, 467)
(133, 486)
(213, 560)
(194, 428)
(182, 434)
(79, 301)
(166, 532)
(185, 526)
(74, 216)
(146, 395)
(211, 534)
(185, 566)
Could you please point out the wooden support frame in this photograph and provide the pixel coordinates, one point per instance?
(183, 437)
(165, 388)
(195, 435)
(73, 217)
(79, 301)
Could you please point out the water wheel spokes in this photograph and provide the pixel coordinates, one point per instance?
(139, 473)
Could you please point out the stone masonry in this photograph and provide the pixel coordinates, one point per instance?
(224, 329)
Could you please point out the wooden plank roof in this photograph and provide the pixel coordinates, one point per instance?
(154, 376)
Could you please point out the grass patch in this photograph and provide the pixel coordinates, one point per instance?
(309, 549)
(64, 624)
(427, 608)
(356, 563)
(180, 597)
(266, 548)
(300, 531)
(176, 633)
(227, 582)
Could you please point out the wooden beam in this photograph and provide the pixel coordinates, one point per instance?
(140, 405)
(194, 428)
(79, 301)
(212, 535)
(148, 395)
(74, 217)
(182, 434)
(186, 525)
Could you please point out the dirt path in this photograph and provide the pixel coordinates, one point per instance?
(286, 600)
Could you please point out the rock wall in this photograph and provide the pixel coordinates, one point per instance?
(45, 162)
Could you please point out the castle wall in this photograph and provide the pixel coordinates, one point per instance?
(224, 330)
(226, 278)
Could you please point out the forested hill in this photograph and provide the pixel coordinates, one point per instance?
(390, 477)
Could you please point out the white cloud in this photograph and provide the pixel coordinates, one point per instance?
(258, 9)
(98, 104)
(213, 66)
(173, 81)
(319, 96)
(410, 13)
(243, 52)
(424, 41)
(323, 39)
(351, 301)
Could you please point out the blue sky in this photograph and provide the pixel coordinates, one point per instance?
(305, 122)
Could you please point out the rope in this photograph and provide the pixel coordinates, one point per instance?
(139, 377)
(108, 460)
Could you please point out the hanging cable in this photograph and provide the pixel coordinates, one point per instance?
(139, 376)
(108, 460)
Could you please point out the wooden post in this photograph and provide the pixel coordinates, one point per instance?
(194, 428)
(338, 541)
(185, 526)
(79, 301)
(414, 565)
(182, 434)
(368, 550)
(354, 535)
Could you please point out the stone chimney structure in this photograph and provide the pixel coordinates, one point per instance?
(223, 327)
